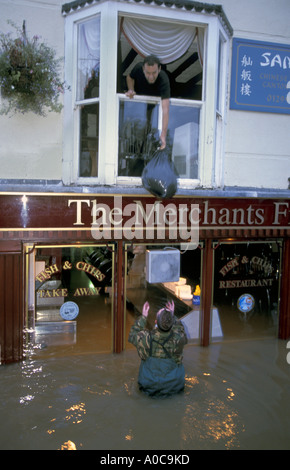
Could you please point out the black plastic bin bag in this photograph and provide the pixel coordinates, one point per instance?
(159, 176)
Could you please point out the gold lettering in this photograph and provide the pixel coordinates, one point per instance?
(85, 291)
(79, 209)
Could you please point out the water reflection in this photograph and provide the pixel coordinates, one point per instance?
(68, 445)
(236, 397)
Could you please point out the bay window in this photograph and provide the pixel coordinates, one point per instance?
(109, 138)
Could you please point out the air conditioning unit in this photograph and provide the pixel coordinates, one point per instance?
(162, 265)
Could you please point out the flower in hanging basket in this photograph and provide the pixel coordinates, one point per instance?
(29, 75)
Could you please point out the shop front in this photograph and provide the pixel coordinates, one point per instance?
(76, 269)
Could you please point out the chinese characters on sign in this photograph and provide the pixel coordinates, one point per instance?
(260, 79)
(246, 75)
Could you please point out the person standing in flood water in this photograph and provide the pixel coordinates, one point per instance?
(161, 371)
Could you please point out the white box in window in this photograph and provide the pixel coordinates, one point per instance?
(162, 265)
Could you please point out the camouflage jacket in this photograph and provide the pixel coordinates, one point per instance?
(142, 337)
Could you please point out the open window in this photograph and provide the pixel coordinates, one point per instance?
(178, 46)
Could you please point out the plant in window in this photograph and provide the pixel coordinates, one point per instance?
(29, 75)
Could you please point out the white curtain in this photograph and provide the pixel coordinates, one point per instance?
(200, 44)
(165, 40)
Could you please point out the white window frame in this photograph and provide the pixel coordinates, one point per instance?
(210, 164)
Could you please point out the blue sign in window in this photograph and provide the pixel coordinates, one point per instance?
(260, 79)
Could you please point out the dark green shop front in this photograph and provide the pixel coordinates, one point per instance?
(78, 287)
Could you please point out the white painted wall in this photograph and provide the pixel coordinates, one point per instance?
(30, 145)
(257, 145)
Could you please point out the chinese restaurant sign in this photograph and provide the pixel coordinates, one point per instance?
(260, 79)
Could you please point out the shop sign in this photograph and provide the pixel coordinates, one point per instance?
(246, 303)
(255, 263)
(139, 218)
(78, 292)
(46, 274)
(260, 77)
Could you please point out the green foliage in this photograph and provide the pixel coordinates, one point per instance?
(29, 75)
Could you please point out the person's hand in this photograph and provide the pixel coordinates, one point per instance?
(145, 309)
(162, 142)
(170, 306)
(130, 93)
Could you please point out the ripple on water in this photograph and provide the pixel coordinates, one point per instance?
(235, 397)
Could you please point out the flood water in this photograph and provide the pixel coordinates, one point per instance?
(236, 397)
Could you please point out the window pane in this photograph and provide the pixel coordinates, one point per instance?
(138, 290)
(246, 289)
(88, 59)
(89, 140)
(138, 136)
(182, 138)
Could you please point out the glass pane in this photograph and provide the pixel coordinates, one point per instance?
(185, 73)
(182, 292)
(73, 292)
(89, 140)
(88, 59)
(246, 289)
(138, 136)
(183, 138)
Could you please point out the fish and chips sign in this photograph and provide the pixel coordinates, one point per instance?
(260, 77)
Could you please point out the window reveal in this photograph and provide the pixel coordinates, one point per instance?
(88, 74)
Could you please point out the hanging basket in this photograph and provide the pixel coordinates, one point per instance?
(29, 75)
(21, 79)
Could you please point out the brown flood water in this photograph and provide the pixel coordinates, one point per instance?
(236, 397)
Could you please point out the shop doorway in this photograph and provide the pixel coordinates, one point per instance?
(140, 286)
(72, 290)
(246, 288)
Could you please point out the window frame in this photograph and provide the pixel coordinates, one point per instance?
(109, 12)
(135, 180)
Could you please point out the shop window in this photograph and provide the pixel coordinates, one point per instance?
(73, 299)
(246, 288)
(140, 289)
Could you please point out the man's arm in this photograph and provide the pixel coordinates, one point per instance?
(139, 325)
(165, 119)
(131, 87)
(139, 336)
(180, 334)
